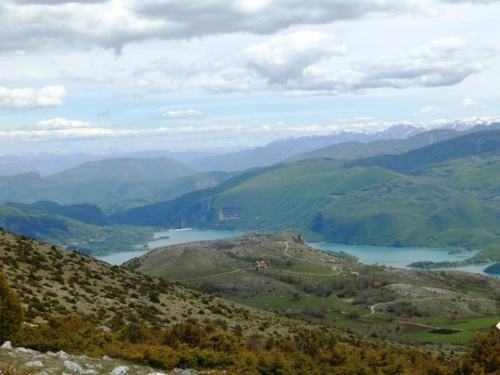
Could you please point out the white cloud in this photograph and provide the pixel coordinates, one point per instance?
(303, 64)
(142, 83)
(29, 98)
(470, 104)
(44, 25)
(429, 109)
(75, 77)
(190, 113)
(59, 123)
(58, 2)
(284, 58)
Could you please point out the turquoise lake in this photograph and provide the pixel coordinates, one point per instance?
(398, 257)
(175, 237)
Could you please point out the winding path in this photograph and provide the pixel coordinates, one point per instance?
(285, 252)
(217, 274)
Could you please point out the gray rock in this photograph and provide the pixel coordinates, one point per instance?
(73, 367)
(156, 373)
(34, 364)
(6, 345)
(27, 351)
(42, 373)
(121, 370)
(62, 355)
(105, 358)
(90, 372)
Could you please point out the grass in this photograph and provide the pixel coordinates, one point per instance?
(455, 338)
(474, 325)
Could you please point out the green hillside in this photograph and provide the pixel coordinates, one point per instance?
(126, 169)
(85, 212)
(357, 202)
(63, 231)
(112, 185)
(482, 145)
(30, 188)
(356, 150)
(190, 183)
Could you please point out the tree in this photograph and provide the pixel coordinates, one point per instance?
(11, 311)
(483, 357)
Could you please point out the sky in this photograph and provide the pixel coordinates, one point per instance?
(130, 75)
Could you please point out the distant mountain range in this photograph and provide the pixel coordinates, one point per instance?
(125, 170)
(139, 181)
(47, 164)
(218, 159)
(114, 184)
(283, 149)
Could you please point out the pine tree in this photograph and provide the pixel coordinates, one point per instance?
(11, 311)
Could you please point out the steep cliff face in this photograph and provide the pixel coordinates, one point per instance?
(230, 213)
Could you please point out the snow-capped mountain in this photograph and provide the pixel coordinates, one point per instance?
(462, 125)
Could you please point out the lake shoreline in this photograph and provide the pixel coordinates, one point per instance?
(398, 257)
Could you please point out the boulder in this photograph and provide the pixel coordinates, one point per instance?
(6, 345)
(34, 364)
(73, 367)
(121, 370)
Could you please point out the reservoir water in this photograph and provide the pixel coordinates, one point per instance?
(398, 257)
(174, 238)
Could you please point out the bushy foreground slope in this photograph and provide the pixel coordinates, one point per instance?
(83, 306)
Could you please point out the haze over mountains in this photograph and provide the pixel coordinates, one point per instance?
(220, 159)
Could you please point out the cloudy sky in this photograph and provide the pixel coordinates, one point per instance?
(84, 75)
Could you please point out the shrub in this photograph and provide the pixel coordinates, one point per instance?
(11, 312)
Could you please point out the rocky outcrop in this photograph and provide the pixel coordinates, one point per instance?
(24, 360)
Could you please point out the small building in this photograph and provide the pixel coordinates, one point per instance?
(261, 264)
(354, 273)
(377, 284)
